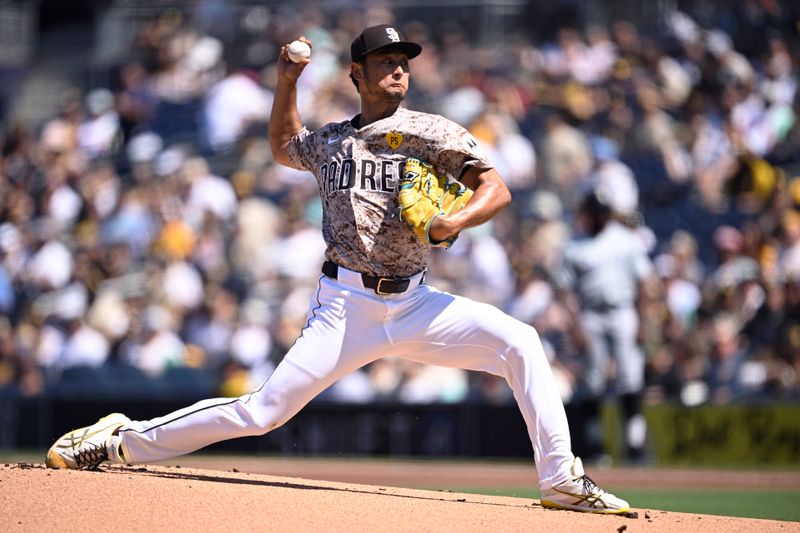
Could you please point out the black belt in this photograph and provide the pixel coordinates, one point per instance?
(378, 284)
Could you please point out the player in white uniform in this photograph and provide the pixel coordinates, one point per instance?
(371, 300)
(607, 269)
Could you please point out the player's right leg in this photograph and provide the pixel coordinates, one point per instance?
(324, 352)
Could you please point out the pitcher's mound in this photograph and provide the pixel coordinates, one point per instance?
(158, 498)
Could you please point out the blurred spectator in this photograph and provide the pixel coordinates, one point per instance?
(566, 156)
(207, 194)
(733, 286)
(98, 134)
(7, 297)
(211, 328)
(155, 346)
(135, 101)
(84, 346)
(50, 267)
(251, 343)
(231, 106)
(433, 384)
(545, 233)
(682, 297)
(727, 358)
(18, 373)
(182, 287)
(480, 266)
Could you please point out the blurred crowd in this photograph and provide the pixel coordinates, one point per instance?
(146, 226)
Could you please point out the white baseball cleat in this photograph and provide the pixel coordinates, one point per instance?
(582, 494)
(85, 448)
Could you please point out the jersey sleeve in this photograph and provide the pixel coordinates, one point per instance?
(301, 149)
(459, 150)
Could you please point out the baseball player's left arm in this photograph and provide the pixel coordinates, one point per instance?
(491, 196)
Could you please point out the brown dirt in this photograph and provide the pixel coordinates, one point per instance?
(162, 498)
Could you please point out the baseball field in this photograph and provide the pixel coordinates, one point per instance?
(205, 492)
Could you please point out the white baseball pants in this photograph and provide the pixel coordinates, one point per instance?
(350, 326)
(613, 334)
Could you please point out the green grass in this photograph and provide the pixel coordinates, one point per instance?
(771, 504)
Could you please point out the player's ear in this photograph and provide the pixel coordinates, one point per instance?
(357, 71)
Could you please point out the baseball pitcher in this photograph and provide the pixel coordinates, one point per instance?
(393, 183)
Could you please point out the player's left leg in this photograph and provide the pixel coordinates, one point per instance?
(623, 327)
(438, 328)
(592, 386)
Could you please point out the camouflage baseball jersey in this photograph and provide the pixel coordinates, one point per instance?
(358, 169)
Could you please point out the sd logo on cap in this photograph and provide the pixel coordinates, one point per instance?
(382, 36)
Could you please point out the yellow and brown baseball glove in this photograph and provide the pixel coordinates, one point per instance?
(424, 196)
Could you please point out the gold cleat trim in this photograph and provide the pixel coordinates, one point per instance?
(54, 460)
(567, 507)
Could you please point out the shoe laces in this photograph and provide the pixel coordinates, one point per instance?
(590, 486)
(90, 456)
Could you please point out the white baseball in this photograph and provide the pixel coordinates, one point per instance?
(298, 51)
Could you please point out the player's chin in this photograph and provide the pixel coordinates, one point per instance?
(395, 94)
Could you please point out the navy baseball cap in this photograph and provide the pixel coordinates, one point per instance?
(382, 36)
